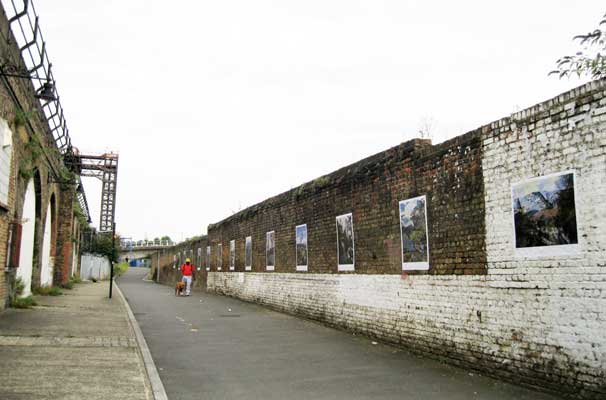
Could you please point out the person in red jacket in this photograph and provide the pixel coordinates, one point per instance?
(187, 270)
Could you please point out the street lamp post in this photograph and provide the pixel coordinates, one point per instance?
(111, 271)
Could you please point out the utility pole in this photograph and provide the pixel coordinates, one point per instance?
(158, 271)
(111, 267)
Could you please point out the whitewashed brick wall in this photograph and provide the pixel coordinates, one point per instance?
(536, 321)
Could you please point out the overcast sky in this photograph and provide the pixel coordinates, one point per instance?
(214, 106)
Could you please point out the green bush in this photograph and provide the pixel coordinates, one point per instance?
(48, 291)
(19, 286)
(120, 268)
(69, 285)
(23, 302)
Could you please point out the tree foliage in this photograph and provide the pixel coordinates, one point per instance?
(102, 244)
(590, 60)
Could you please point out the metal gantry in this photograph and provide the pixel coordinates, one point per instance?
(105, 168)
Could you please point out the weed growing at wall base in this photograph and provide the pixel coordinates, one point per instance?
(23, 302)
(48, 291)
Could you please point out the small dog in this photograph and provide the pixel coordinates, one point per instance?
(179, 288)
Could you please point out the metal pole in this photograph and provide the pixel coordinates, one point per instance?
(158, 271)
(111, 266)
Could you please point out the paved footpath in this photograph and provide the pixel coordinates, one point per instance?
(214, 347)
(80, 345)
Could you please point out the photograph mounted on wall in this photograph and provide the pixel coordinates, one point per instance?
(544, 213)
(301, 247)
(232, 255)
(248, 253)
(208, 258)
(199, 259)
(413, 231)
(270, 250)
(345, 242)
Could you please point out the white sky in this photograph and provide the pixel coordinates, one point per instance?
(217, 105)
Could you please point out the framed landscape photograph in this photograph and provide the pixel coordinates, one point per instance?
(208, 258)
(219, 256)
(545, 215)
(232, 255)
(248, 254)
(270, 250)
(345, 242)
(413, 234)
(301, 247)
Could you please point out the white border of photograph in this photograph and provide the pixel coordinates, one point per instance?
(208, 258)
(246, 241)
(232, 255)
(199, 259)
(219, 256)
(270, 267)
(546, 251)
(419, 265)
(302, 268)
(346, 267)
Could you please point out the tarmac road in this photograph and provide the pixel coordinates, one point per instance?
(213, 347)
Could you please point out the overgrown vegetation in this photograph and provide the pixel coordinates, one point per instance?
(48, 291)
(69, 285)
(101, 244)
(120, 268)
(23, 302)
(72, 281)
(21, 116)
(17, 288)
(79, 214)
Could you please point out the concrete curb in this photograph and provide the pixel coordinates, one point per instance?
(152, 373)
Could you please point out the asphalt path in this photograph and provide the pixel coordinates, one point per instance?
(207, 346)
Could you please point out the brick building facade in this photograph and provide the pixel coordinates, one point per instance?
(37, 221)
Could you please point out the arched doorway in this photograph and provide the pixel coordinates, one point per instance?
(28, 221)
(48, 246)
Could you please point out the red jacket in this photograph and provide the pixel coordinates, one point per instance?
(187, 270)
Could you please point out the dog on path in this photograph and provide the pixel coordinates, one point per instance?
(179, 288)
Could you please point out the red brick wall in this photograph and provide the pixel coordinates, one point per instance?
(449, 174)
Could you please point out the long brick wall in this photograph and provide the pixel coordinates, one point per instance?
(535, 316)
(449, 174)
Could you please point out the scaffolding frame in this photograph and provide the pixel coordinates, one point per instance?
(105, 168)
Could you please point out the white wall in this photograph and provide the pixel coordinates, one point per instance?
(26, 257)
(93, 266)
(46, 273)
(6, 150)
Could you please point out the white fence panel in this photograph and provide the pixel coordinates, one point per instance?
(94, 266)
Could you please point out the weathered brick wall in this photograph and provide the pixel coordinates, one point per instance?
(449, 174)
(33, 156)
(557, 304)
(535, 320)
(170, 259)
